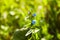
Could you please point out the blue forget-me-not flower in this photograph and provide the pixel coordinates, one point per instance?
(33, 21)
(34, 14)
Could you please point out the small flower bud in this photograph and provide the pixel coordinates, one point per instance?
(34, 15)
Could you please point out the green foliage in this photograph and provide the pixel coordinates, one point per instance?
(29, 20)
(20, 35)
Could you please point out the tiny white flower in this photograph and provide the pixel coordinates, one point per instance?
(12, 12)
(43, 39)
(5, 15)
(28, 12)
(39, 7)
(16, 17)
(17, 30)
(4, 27)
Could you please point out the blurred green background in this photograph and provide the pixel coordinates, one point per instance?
(29, 19)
